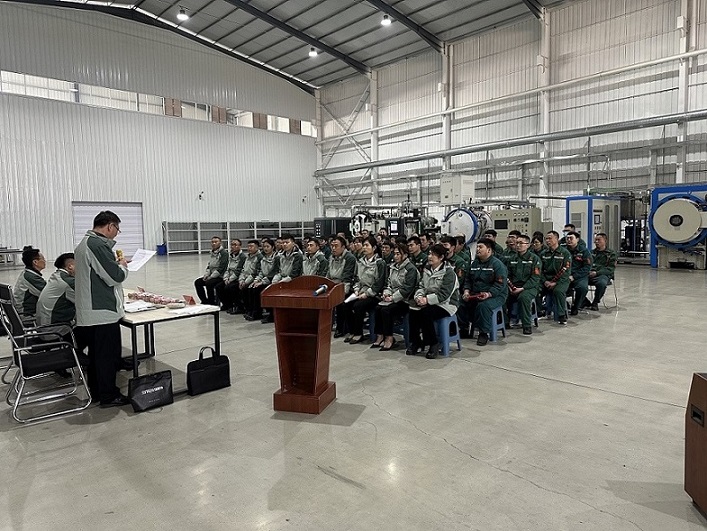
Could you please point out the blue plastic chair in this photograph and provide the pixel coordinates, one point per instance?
(514, 313)
(447, 330)
(498, 323)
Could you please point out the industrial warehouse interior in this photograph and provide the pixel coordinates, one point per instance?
(250, 120)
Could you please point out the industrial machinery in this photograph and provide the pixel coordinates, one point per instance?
(398, 220)
(591, 214)
(678, 223)
(456, 189)
(469, 221)
(325, 227)
(526, 219)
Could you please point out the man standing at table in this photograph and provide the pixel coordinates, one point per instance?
(99, 306)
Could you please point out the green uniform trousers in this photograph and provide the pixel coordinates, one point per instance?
(559, 296)
(601, 282)
(579, 288)
(481, 313)
(524, 300)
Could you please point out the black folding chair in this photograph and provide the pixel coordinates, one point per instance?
(38, 353)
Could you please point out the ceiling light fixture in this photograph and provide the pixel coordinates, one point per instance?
(312, 52)
(386, 21)
(182, 15)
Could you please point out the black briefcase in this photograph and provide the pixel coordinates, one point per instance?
(151, 390)
(208, 374)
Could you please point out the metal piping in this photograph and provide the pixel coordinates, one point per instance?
(563, 84)
(550, 137)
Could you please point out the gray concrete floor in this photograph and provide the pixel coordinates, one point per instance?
(579, 427)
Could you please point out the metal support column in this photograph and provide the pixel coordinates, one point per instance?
(373, 113)
(544, 81)
(685, 26)
(447, 103)
(320, 148)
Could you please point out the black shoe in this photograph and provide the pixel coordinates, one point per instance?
(238, 310)
(225, 308)
(267, 319)
(120, 400)
(574, 311)
(594, 307)
(338, 334)
(355, 340)
(231, 311)
(386, 349)
(585, 304)
(527, 330)
(432, 352)
(563, 319)
(541, 313)
(482, 339)
(62, 373)
(376, 345)
(249, 317)
(412, 350)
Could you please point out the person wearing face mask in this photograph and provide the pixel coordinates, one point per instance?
(342, 270)
(579, 272)
(400, 287)
(30, 283)
(485, 288)
(436, 297)
(315, 263)
(371, 272)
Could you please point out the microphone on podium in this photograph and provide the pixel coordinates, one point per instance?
(321, 289)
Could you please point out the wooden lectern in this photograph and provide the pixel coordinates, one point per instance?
(696, 441)
(303, 333)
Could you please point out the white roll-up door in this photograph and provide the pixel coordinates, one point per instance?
(131, 236)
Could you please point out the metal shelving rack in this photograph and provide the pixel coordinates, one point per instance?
(195, 236)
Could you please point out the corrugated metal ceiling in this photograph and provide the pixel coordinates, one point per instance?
(348, 35)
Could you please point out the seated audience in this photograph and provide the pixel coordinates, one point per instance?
(556, 264)
(415, 253)
(289, 266)
(386, 247)
(524, 274)
(491, 234)
(579, 272)
(437, 296)
(485, 288)
(602, 272)
(400, 287)
(30, 283)
(227, 289)
(342, 270)
(315, 263)
(371, 271)
(267, 269)
(213, 275)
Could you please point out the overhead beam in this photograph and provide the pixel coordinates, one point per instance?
(425, 35)
(136, 16)
(279, 24)
(534, 7)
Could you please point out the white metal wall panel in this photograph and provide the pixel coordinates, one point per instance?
(53, 153)
(409, 89)
(341, 99)
(496, 64)
(102, 50)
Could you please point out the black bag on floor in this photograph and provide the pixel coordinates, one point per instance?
(151, 390)
(208, 374)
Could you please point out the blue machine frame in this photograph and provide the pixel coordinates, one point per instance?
(663, 194)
